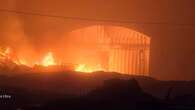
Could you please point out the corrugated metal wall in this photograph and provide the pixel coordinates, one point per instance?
(128, 51)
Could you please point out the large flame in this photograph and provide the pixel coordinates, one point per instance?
(48, 60)
(7, 55)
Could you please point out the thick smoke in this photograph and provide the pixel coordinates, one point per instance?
(15, 38)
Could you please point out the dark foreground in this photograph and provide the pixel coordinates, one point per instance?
(95, 91)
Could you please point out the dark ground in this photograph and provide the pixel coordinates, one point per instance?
(97, 91)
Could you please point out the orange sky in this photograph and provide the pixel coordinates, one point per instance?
(172, 45)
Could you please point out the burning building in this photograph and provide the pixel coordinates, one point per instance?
(116, 49)
(98, 48)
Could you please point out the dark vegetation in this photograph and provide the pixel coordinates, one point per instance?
(94, 91)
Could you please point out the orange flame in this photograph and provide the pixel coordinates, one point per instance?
(6, 53)
(88, 69)
(48, 60)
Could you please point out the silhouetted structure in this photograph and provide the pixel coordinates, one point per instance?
(97, 91)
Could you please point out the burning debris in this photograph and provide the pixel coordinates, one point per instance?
(48, 60)
(88, 69)
(10, 61)
(7, 55)
(7, 58)
(47, 64)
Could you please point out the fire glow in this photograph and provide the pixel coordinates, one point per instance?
(88, 69)
(88, 49)
(46, 61)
